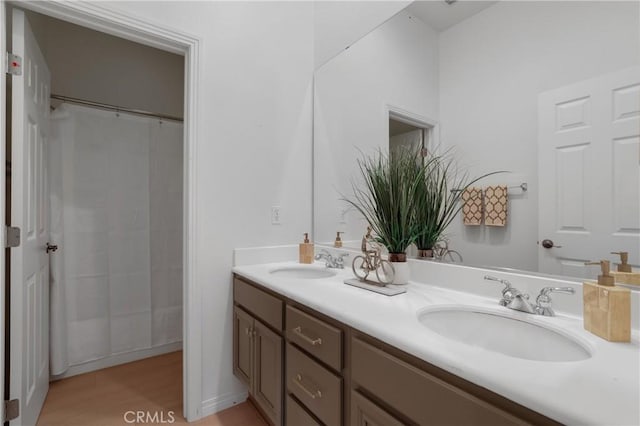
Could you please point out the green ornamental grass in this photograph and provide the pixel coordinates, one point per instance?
(408, 199)
(388, 198)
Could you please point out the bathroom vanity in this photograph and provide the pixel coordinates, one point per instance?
(314, 351)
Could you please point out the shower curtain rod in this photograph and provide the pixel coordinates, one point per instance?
(78, 101)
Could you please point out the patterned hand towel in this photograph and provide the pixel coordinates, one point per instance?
(495, 205)
(472, 207)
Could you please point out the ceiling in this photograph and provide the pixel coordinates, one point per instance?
(439, 15)
(398, 127)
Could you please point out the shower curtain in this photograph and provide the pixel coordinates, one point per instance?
(116, 214)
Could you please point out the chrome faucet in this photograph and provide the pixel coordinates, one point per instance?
(543, 301)
(330, 261)
(513, 298)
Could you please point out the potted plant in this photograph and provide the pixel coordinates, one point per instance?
(387, 200)
(437, 200)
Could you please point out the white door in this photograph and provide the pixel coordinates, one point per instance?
(589, 173)
(29, 302)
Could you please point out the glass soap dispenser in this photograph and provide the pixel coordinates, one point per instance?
(338, 241)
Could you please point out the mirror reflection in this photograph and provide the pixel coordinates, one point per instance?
(549, 91)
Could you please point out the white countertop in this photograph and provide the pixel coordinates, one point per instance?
(602, 390)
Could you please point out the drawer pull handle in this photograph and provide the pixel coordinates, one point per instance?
(309, 340)
(312, 394)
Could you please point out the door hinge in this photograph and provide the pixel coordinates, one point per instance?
(14, 64)
(13, 237)
(11, 410)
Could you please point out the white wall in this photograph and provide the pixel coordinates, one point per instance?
(253, 149)
(91, 65)
(492, 68)
(393, 65)
(338, 24)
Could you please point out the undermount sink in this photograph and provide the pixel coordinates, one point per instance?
(302, 272)
(504, 334)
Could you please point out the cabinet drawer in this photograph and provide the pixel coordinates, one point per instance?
(316, 387)
(366, 413)
(297, 416)
(397, 383)
(261, 304)
(315, 336)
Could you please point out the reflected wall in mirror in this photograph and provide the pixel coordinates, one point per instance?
(547, 90)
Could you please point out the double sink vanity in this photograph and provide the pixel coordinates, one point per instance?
(316, 351)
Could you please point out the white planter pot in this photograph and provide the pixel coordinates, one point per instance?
(401, 273)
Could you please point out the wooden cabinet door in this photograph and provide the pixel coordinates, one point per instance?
(267, 389)
(243, 346)
(366, 413)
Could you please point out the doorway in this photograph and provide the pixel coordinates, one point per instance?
(411, 131)
(404, 136)
(185, 46)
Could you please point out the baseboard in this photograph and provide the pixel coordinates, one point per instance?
(118, 359)
(219, 403)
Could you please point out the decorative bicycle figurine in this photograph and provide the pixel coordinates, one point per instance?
(370, 260)
(441, 252)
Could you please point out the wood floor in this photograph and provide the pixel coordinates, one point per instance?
(154, 385)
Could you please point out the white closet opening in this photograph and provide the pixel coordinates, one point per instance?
(115, 183)
(108, 178)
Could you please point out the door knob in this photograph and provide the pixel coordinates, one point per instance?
(51, 247)
(547, 243)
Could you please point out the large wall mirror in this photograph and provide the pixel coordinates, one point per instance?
(549, 91)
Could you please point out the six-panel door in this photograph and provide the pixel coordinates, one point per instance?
(29, 265)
